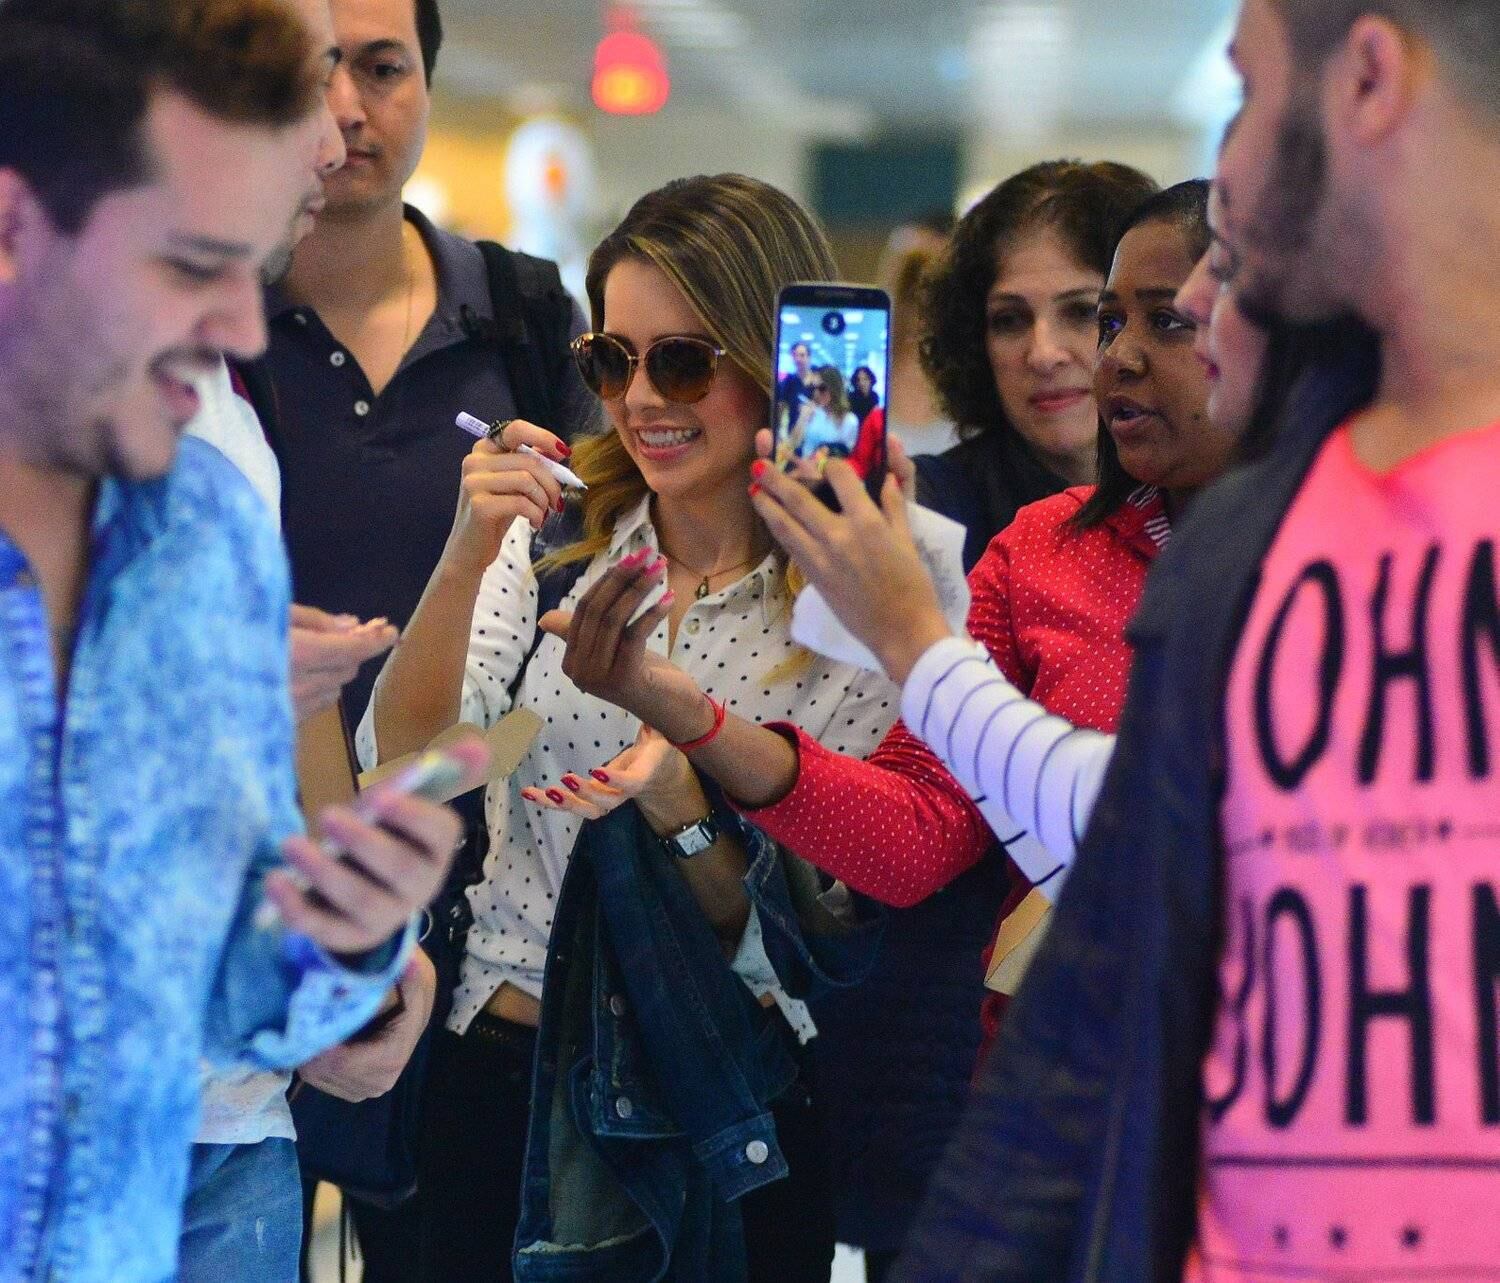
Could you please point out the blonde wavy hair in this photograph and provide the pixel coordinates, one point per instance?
(729, 243)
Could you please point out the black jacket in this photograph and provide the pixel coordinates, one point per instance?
(981, 482)
(1078, 1158)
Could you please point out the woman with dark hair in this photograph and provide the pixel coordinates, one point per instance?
(1010, 341)
(862, 395)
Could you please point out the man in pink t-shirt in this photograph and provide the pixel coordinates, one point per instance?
(1352, 1091)
(1262, 1039)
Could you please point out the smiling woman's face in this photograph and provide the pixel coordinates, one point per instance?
(1040, 337)
(1152, 389)
(680, 449)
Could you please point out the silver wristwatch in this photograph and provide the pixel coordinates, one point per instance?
(693, 840)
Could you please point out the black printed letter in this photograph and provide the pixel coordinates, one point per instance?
(1481, 615)
(1288, 775)
(1391, 666)
(1413, 1004)
(1486, 972)
(1287, 903)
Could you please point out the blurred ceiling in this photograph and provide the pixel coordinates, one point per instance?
(848, 67)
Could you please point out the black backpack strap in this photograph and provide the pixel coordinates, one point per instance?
(533, 323)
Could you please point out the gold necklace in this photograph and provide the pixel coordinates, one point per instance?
(703, 585)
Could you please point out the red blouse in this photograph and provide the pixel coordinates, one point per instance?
(1050, 603)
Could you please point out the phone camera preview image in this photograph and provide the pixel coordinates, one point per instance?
(831, 387)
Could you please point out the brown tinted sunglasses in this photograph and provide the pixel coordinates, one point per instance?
(681, 367)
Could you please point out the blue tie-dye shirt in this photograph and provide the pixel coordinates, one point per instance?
(137, 820)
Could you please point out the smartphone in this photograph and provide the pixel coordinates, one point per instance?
(833, 360)
(433, 776)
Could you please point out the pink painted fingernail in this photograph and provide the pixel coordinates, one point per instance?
(554, 796)
(572, 785)
(635, 559)
(601, 776)
(667, 598)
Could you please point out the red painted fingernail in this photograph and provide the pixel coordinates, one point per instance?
(572, 785)
(560, 504)
(754, 489)
(554, 796)
(529, 794)
(601, 776)
(564, 449)
(758, 469)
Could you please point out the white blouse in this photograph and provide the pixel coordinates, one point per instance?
(735, 643)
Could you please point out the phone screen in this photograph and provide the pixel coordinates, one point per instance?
(832, 368)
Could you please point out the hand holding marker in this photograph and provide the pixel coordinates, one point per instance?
(477, 428)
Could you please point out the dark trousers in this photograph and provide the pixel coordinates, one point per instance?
(474, 1145)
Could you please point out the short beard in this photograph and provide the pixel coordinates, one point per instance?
(1282, 230)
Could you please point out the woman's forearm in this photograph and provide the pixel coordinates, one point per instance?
(420, 689)
(716, 877)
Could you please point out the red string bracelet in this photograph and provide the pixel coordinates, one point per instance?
(719, 714)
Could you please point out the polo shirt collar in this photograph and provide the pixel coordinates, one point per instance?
(462, 286)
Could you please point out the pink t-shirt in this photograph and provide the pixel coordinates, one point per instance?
(1353, 1086)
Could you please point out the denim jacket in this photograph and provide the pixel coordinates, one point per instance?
(656, 1069)
(1078, 1158)
(137, 820)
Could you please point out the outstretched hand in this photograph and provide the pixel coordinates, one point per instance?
(650, 770)
(607, 655)
(863, 559)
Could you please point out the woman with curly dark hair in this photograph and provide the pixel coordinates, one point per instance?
(1010, 339)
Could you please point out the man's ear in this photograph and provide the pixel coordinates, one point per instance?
(1376, 79)
(21, 219)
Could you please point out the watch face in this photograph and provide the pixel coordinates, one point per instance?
(695, 839)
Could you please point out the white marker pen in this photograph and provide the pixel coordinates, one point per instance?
(478, 428)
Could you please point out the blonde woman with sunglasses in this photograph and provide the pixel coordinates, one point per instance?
(682, 298)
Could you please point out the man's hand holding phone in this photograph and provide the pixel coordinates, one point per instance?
(381, 860)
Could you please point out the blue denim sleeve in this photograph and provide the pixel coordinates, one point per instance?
(278, 998)
(281, 999)
(807, 962)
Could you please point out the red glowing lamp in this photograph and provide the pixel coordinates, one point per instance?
(630, 75)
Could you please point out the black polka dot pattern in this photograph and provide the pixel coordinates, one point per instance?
(741, 644)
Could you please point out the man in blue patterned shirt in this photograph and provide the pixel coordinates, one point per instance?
(150, 162)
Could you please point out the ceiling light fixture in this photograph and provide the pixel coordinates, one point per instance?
(630, 71)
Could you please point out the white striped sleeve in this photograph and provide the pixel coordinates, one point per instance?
(1034, 777)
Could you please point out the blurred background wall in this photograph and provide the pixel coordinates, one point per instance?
(872, 111)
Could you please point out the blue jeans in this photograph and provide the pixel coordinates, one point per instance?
(242, 1221)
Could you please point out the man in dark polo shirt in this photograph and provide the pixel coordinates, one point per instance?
(382, 331)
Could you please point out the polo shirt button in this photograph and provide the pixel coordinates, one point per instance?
(338, 358)
(692, 627)
(617, 1006)
(361, 408)
(757, 1151)
(300, 317)
(625, 1107)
